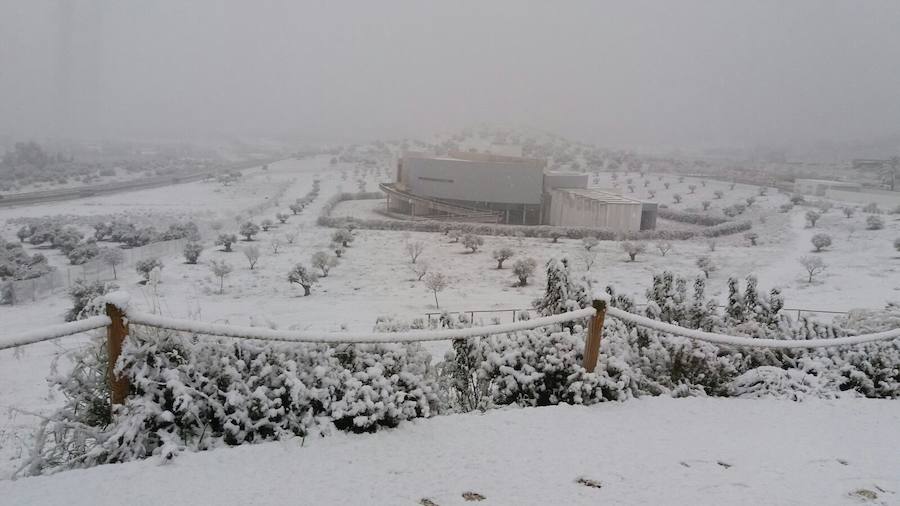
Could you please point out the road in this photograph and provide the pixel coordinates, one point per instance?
(39, 197)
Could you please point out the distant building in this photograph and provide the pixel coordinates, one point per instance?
(508, 189)
(819, 187)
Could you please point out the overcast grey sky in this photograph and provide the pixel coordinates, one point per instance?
(616, 73)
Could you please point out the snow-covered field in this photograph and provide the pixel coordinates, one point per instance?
(651, 451)
(373, 278)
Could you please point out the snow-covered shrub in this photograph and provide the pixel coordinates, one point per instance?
(472, 242)
(771, 381)
(144, 267)
(874, 223)
(82, 293)
(323, 261)
(501, 255)
(523, 268)
(83, 252)
(633, 249)
(192, 252)
(190, 394)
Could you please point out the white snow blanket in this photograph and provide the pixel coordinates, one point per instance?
(648, 451)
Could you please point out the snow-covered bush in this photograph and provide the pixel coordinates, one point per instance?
(633, 249)
(874, 223)
(523, 268)
(144, 267)
(190, 394)
(192, 252)
(82, 293)
(83, 252)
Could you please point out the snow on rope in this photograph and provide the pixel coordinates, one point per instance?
(714, 338)
(152, 320)
(55, 331)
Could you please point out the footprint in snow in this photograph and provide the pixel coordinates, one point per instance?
(427, 502)
(473, 496)
(587, 482)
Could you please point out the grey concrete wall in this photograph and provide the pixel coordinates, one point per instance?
(474, 181)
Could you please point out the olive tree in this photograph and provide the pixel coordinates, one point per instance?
(248, 230)
(220, 269)
(323, 261)
(821, 241)
(706, 265)
(472, 242)
(501, 255)
(633, 249)
(523, 269)
(192, 252)
(436, 282)
(304, 277)
(226, 240)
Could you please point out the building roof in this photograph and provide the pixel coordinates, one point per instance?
(599, 195)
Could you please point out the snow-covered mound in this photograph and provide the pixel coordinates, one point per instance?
(648, 451)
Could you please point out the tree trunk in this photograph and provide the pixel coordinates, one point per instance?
(435, 300)
(499, 264)
(306, 290)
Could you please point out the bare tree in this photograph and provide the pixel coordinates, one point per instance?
(502, 254)
(633, 249)
(664, 247)
(706, 264)
(813, 266)
(414, 249)
(420, 269)
(274, 244)
(323, 261)
(523, 269)
(711, 244)
(588, 258)
(290, 237)
(112, 257)
(220, 268)
(436, 282)
(252, 254)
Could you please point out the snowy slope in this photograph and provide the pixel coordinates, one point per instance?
(652, 451)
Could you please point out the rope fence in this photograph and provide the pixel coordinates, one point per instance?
(118, 318)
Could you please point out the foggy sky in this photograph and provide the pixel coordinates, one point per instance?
(615, 73)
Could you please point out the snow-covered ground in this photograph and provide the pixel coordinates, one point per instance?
(650, 451)
(374, 278)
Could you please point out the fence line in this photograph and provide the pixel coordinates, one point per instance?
(95, 270)
(750, 342)
(56, 331)
(215, 329)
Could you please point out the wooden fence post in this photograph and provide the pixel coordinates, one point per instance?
(115, 337)
(595, 329)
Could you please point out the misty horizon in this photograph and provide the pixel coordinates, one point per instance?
(642, 74)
